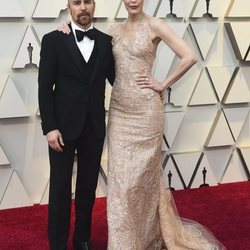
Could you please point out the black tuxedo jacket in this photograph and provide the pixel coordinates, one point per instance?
(66, 92)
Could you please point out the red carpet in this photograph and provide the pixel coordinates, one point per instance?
(224, 209)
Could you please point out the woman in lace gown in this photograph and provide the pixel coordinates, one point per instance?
(141, 212)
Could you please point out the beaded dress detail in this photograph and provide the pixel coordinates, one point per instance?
(141, 211)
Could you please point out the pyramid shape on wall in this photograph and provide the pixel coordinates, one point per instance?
(173, 122)
(238, 91)
(150, 6)
(239, 42)
(243, 42)
(235, 170)
(11, 8)
(240, 8)
(221, 77)
(23, 59)
(245, 153)
(244, 137)
(218, 160)
(236, 118)
(15, 194)
(182, 90)
(45, 196)
(101, 9)
(3, 158)
(203, 93)
(55, 6)
(101, 190)
(11, 103)
(205, 34)
(187, 163)
(121, 11)
(248, 55)
(220, 134)
(5, 175)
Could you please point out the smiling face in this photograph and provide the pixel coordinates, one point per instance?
(134, 7)
(82, 12)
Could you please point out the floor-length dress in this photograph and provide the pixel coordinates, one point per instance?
(141, 212)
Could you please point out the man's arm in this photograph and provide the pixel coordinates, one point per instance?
(111, 73)
(46, 81)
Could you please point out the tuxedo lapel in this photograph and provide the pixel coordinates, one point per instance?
(75, 52)
(78, 58)
(100, 55)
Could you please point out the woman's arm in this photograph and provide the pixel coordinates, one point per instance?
(161, 31)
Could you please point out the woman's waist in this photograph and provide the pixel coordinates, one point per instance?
(137, 104)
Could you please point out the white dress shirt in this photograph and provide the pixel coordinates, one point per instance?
(86, 45)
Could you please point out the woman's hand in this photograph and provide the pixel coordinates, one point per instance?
(149, 82)
(64, 27)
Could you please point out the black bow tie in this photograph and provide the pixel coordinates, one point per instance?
(80, 34)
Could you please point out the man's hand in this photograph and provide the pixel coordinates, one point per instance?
(64, 27)
(162, 96)
(55, 140)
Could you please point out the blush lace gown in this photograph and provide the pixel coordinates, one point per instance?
(141, 211)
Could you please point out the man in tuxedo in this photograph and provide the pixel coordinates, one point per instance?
(72, 74)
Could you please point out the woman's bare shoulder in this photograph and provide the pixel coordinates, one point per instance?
(157, 23)
(114, 28)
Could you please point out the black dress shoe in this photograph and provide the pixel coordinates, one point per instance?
(85, 245)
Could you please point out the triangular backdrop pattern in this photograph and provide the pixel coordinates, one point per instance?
(3, 158)
(181, 91)
(101, 9)
(55, 6)
(248, 55)
(203, 93)
(236, 118)
(11, 8)
(221, 77)
(220, 134)
(244, 137)
(246, 156)
(240, 8)
(186, 163)
(15, 194)
(243, 42)
(239, 91)
(173, 122)
(218, 160)
(205, 34)
(29, 42)
(11, 103)
(235, 171)
(5, 175)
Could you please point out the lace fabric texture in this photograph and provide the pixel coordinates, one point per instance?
(141, 211)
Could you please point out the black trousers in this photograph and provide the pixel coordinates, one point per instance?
(89, 149)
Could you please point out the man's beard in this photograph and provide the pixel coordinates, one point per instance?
(84, 20)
